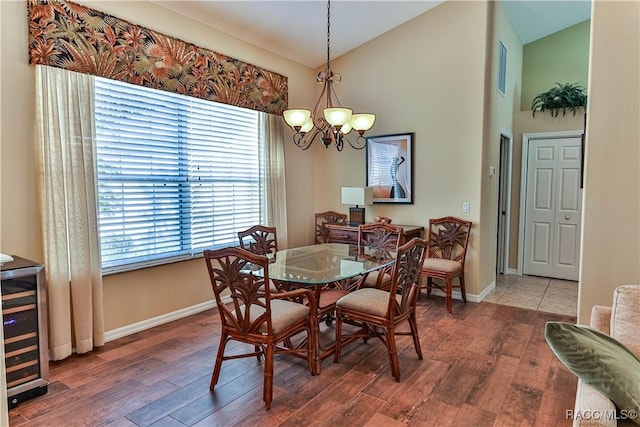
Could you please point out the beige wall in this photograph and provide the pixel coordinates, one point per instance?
(499, 119)
(610, 251)
(427, 77)
(561, 57)
(144, 294)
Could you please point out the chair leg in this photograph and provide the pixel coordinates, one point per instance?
(218, 365)
(317, 361)
(413, 324)
(429, 285)
(449, 296)
(393, 353)
(267, 394)
(338, 344)
(311, 348)
(462, 289)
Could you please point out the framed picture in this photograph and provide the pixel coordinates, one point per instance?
(390, 168)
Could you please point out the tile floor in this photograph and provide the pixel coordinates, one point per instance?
(536, 293)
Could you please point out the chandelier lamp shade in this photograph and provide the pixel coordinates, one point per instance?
(329, 120)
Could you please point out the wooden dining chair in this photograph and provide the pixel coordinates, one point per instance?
(380, 312)
(448, 240)
(382, 240)
(259, 239)
(324, 218)
(255, 315)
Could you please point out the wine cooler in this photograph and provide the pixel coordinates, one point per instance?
(25, 329)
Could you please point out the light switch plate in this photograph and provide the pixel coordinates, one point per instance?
(466, 207)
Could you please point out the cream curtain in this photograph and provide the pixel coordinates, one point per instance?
(67, 180)
(276, 194)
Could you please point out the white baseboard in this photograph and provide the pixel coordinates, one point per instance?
(512, 271)
(114, 334)
(486, 291)
(470, 297)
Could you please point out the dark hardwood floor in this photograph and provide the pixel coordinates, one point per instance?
(485, 365)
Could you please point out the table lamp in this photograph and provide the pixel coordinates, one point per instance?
(358, 196)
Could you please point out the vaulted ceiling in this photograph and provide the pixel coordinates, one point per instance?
(297, 30)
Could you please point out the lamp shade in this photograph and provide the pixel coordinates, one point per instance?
(358, 196)
(362, 121)
(337, 116)
(346, 128)
(296, 117)
(307, 126)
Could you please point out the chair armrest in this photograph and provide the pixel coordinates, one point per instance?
(601, 318)
(298, 293)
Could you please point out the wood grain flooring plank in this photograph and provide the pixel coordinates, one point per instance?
(377, 364)
(554, 409)
(520, 407)
(490, 390)
(73, 365)
(167, 334)
(165, 422)
(209, 402)
(412, 394)
(109, 405)
(484, 365)
(120, 422)
(535, 362)
(515, 339)
(307, 387)
(84, 393)
(248, 409)
(380, 420)
(143, 361)
(356, 413)
(200, 363)
(431, 413)
(455, 387)
(474, 416)
(327, 403)
(459, 338)
(148, 414)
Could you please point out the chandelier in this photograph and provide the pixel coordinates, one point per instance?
(330, 119)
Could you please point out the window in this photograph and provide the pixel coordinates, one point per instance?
(502, 68)
(176, 174)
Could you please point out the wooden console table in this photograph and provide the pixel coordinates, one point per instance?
(340, 233)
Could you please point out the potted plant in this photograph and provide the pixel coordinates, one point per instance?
(568, 96)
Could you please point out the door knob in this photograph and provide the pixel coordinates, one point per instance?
(567, 217)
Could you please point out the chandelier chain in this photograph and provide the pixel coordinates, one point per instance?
(333, 122)
(328, 32)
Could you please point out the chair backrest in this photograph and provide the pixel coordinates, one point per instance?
(381, 238)
(259, 239)
(448, 238)
(233, 273)
(405, 276)
(324, 218)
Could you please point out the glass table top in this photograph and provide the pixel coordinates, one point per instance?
(325, 263)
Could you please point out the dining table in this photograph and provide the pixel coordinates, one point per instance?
(321, 266)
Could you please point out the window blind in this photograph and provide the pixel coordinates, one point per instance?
(176, 174)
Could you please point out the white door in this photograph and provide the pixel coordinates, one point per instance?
(553, 208)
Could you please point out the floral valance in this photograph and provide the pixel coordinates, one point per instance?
(67, 35)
